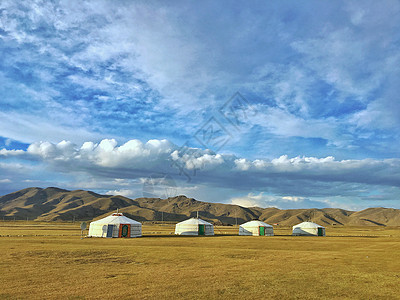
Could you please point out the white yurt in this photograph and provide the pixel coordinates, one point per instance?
(256, 228)
(194, 226)
(115, 225)
(308, 228)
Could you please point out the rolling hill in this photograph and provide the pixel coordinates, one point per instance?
(55, 204)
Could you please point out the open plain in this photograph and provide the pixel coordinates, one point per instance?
(51, 261)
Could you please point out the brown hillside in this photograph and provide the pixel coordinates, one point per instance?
(376, 216)
(57, 204)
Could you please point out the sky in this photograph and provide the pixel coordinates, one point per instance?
(271, 104)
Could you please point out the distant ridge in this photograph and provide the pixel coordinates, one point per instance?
(52, 204)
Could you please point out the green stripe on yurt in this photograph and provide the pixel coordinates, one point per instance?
(202, 230)
(262, 230)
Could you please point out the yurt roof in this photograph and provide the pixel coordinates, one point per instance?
(117, 218)
(255, 223)
(308, 225)
(194, 221)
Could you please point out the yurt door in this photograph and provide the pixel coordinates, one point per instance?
(320, 232)
(202, 230)
(110, 229)
(262, 230)
(124, 230)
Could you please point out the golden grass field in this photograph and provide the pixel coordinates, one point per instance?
(51, 261)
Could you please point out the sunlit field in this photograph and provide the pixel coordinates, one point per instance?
(50, 260)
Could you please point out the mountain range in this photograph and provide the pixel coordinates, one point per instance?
(55, 204)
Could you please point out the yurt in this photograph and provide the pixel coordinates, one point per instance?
(194, 226)
(114, 226)
(308, 228)
(256, 228)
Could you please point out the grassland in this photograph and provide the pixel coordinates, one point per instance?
(51, 261)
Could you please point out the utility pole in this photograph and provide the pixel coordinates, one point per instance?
(237, 213)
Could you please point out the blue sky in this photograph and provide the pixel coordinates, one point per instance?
(283, 104)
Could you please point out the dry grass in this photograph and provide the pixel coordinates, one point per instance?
(53, 262)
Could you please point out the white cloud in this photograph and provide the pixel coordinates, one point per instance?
(243, 164)
(5, 152)
(123, 192)
(264, 200)
(108, 155)
(253, 200)
(245, 202)
(134, 159)
(197, 159)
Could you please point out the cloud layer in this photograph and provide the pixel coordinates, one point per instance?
(266, 182)
(148, 70)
